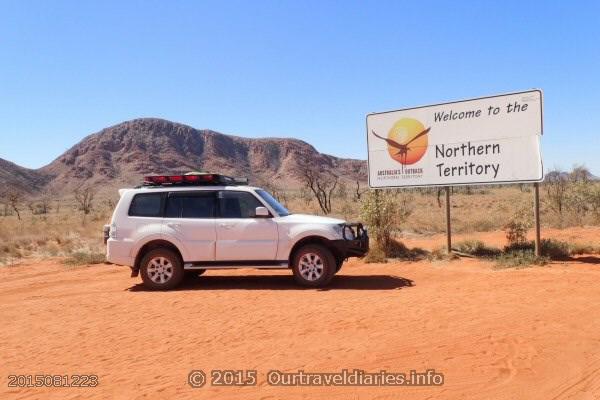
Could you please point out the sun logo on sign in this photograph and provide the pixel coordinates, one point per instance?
(407, 141)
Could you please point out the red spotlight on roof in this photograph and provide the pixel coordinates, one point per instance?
(192, 179)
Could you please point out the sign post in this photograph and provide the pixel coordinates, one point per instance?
(448, 225)
(536, 213)
(487, 140)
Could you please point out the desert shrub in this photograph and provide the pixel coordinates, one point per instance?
(85, 257)
(383, 212)
(594, 201)
(99, 216)
(342, 191)
(41, 241)
(8, 261)
(519, 258)
(375, 255)
(580, 201)
(580, 248)
(555, 249)
(399, 250)
(483, 225)
(440, 254)
(477, 248)
(10, 250)
(550, 248)
(573, 197)
(517, 227)
(52, 249)
(347, 211)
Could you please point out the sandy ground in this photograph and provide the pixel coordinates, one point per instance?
(531, 333)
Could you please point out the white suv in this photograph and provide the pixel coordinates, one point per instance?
(173, 225)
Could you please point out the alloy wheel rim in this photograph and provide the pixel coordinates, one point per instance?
(160, 270)
(311, 266)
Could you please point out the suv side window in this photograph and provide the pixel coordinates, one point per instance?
(238, 204)
(146, 205)
(190, 205)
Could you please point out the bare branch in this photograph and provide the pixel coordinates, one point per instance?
(84, 198)
(13, 199)
(320, 182)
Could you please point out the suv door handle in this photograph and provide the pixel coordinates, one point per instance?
(173, 225)
(225, 225)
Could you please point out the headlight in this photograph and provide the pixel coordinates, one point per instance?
(338, 229)
(348, 233)
(344, 231)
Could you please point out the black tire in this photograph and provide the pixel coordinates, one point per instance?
(165, 278)
(192, 273)
(338, 264)
(313, 266)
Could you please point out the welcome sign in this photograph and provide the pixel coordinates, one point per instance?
(493, 139)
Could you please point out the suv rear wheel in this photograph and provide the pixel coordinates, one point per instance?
(161, 269)
(313, 266)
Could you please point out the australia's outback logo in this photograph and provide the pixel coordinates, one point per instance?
(406, 144)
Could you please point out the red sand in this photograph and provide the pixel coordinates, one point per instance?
(532, 333)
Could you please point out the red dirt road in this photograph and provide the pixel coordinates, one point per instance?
(532, 333)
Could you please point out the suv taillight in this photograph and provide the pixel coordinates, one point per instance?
(113, 231)
(106, 233)
(109, 231)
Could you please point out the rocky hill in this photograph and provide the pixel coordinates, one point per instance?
(23, 180)
(122, 154)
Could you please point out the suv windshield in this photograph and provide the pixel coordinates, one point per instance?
(279, 209)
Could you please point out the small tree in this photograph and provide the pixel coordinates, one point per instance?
(342, 191)
(580, 199)
(32, 208)
(305, 195)
(84, 198)
(13, 199)
(110, 204)
(45, 203)
(357, 191)
(580, 174)
(556, 185)
(594, 200)
(321, 182)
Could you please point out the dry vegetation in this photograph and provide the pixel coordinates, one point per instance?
(49, 228)
(72, 227)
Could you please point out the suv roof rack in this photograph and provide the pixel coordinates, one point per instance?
(193, 179)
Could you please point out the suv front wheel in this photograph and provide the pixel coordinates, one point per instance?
(313, 266)
(161, 269)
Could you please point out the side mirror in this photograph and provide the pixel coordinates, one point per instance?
(262, 212)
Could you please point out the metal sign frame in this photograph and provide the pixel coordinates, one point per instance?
(447, 186)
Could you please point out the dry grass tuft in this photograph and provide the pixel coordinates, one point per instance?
(440, 254)
(375, 255)
(476, 248)
(519, 259)
(85, 258)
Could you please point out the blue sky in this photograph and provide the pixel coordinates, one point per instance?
(310, 70)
